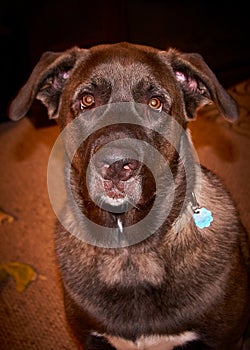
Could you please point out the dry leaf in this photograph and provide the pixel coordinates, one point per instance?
(4, 217)
(23, 274)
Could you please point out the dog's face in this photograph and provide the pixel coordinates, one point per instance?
(134, 88)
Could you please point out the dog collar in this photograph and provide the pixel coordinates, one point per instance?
(202, 216)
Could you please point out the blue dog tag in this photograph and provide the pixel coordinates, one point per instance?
(202, 217)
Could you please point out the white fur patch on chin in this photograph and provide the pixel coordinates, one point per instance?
(114, 201)
(154, 342)
(131, 192)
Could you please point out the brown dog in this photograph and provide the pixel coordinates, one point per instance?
(143, 266)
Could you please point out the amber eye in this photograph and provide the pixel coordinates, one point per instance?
(87, 101)
(155, 103)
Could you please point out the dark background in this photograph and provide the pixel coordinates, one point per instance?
(218, 30)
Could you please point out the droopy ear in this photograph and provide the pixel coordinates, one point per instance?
(200, 86)
(45, 83)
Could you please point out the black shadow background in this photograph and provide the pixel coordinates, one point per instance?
(217, 30)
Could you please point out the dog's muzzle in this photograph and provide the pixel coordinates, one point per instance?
(115, 181)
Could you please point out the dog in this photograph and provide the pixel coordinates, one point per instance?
(147, 261)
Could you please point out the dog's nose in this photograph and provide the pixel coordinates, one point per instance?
(116, 164)
(120, 170)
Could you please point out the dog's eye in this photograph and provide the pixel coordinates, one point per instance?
(155, 103)
(87, 101)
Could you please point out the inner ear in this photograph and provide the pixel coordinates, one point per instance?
(189, 82)
(195, 92)
(50, 89)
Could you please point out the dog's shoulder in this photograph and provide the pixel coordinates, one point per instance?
(227, 226)
(215, 196)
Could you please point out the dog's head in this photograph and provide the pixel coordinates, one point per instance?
(134, 88)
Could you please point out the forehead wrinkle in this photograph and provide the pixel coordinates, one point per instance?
(122, 77)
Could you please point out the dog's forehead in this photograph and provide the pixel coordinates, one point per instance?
(123, 62)
(116, 71)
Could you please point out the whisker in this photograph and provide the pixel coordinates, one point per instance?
(132, 204)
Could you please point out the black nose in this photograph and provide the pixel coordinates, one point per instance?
(120, 170)
(116, 164)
